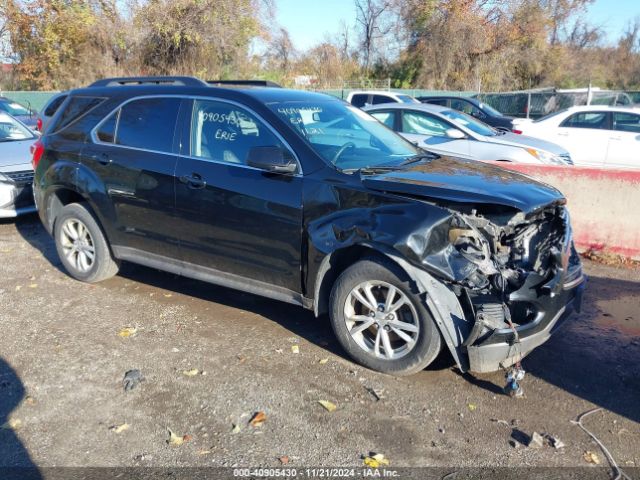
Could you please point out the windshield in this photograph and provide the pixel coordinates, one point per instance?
(13, 108)
(11, 130)
(344, 135)
(469, 122)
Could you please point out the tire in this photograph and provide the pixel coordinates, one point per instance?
(381, 276)
(76, 218)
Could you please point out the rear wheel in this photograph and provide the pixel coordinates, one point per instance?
(381, 321)
(82, 246)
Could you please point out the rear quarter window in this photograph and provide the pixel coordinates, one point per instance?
(53, 107)
(73, 109)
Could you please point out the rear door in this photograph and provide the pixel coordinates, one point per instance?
(429, 132)
(586, 136)
(624, 140)
(236, 219)
(134, 155)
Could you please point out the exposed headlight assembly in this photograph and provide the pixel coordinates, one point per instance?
(546, 157)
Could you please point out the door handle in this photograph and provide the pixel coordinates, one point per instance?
(193, 181)
(563, 134)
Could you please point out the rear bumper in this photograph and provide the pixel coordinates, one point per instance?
(503, 349)
(15, 200)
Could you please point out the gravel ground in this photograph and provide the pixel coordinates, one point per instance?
(62, 361)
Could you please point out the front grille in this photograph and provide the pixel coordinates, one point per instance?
(24, 177)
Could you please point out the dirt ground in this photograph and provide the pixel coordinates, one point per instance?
(62, 361)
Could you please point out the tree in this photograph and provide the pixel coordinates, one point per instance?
(370, 21)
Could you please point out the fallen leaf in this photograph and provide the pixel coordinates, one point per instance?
(119, 428)
(258, 419)
(328, 406)
(18, 287)
(187, 438)
(176, 440)
(591, 457)
(30, 400)
(33, 285)
(236, 429)
(204, 451)
(471, 406)
(284, 459)
(279, 350)
(168, 295)
(323, 361)
(13, 424)
(242, 358)
(127, 332)
(191, 373)
(295, 349)
(375, 460)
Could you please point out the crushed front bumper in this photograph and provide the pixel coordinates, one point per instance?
(504, 347)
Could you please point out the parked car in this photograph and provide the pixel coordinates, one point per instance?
(16, 172)
(25, 115)
(50, 108)
(374, 97)
(449, 132)
(594, 135)
(243, 187)
(474, 107)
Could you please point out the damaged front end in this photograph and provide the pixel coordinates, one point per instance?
(517, 277)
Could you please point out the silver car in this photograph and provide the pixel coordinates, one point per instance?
(450, 132)
(16, 172)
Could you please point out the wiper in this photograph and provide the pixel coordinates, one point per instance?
(420, 157)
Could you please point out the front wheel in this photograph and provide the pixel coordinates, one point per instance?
(381, 321)
(82, 246)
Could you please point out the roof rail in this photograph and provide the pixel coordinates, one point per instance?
(121, 81)
(248, 83)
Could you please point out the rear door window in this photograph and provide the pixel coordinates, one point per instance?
(626, 122)
(377, 99)
(359, 100)
(437, 101)
(423, 124)
(595, 120)
(148, 123)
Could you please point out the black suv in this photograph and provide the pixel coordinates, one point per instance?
(304, 198)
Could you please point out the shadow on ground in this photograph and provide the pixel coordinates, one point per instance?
(15, 461)
(590, 360)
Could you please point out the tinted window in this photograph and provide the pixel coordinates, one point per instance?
(74, 109)
(469, 122)
(423, 124)
(377, 99)
(407, 99)
(388, 118)
(54, 106)
(359, 100)
(148, 123)
(466, 107)
(225, 133)
(434, 101)
(107, 131)
(626, 122)
(586, 120)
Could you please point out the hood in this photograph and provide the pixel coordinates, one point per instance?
(515, 140)
(14, 153)
(456, 180)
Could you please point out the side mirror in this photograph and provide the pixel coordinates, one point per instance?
(455, 134)
(271, 159)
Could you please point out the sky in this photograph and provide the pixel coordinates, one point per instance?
(309, 21)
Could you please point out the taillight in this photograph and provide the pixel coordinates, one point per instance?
(519, 132)
(39, 124)
(37, 149)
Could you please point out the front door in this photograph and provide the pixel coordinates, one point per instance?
(234, 218)
(586, 136)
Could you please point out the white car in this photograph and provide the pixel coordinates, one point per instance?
(360, 98)
(16, 172)
(594, 135)
(446, 131)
